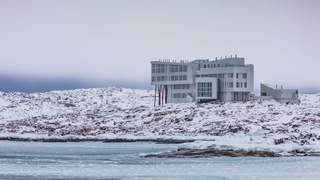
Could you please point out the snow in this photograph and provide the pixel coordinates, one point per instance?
(108, 113)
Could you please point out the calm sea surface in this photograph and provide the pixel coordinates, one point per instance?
(97, 160)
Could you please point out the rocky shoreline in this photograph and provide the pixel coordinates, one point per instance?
(120, 140)
(202, 153)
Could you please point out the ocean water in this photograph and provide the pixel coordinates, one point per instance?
(97, 160)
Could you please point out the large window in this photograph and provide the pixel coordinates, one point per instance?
(204, 89)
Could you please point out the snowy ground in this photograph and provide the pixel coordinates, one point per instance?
(129, 113)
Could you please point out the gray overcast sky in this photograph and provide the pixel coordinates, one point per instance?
(116, 40)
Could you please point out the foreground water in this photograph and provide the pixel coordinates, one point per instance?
(97, 160)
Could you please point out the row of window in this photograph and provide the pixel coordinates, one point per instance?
(227, 84)
(244, 75)
(212, 65)
(229, 75)
(169, 78)
(162, 68)
(239, 85)
(159, 68)
(180, 86)
(179, 95)
(178, 68)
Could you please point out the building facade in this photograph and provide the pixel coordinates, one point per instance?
(202, 80)
(268, 92)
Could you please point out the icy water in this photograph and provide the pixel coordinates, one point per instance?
(97, 160)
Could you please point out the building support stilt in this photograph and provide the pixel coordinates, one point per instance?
(166, 92)
(159, 95)
(155, 95)
(162, 92)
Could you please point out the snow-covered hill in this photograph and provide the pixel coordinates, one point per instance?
(112, 112)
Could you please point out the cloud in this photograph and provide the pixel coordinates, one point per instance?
(114, 41)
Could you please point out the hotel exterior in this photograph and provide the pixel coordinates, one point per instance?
(202, 80)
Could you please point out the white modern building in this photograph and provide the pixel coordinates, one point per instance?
(268, 92)
(202, 80)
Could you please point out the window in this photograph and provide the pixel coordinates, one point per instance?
(176, 86)
(184, 77)
(214, 65)
(172, 78)
(218, 65)
(231, 84)
(176, 78)
(180, 77)
(184, 95)
(237, 75)
(161, 78)
(185, 68)
(263, 94)
(230, 75)
(244, 76)
(241, 84)
(245, 84)
(237, 85)
(171, 68)
(152, 79)
(198, 75)
(176, 68)
(204, 89)
(204, 66)
(153, 68)
(160, 68)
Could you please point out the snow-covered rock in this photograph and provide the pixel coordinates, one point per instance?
(114, 112)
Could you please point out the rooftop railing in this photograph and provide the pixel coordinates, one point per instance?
(245, 65)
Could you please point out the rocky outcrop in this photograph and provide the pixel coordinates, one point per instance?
(199, 153)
